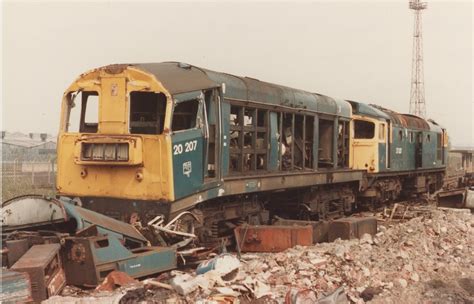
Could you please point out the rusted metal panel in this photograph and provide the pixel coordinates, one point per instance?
(320, 228)
(43, 265)
(272, 238)
(56, 283)
(352, 227)
(15, 287)
(415, 122)
(16, 249)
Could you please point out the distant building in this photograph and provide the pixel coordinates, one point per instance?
(27, 147)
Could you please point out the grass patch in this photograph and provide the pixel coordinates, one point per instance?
(23, 185)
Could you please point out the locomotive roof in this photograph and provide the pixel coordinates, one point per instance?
(403, 120)
(180, 78)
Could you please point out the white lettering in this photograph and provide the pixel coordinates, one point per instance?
(188, 147)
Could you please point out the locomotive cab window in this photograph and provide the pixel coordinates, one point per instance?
(381, 131)
(83, 112)
(185, 115)
(147, 112)
(400, 135)
(364, 129)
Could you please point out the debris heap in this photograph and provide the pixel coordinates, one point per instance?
(429, 258)
(402, 263)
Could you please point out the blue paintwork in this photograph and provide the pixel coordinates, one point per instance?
(114, 252)
(188, 174)
(429, 150)
(15, 287)
(249, 89)
(225, 137)
(105, 225)
(151, 260)
(155, 260)
(274, 143)
(403, 151)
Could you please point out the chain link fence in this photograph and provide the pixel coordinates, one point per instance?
(28, 177)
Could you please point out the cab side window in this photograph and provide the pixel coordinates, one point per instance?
(147, 112)
(185, 115)
(364, 129)
(382, 132)
(83, 112)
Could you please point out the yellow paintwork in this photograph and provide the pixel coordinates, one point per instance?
(351, 145)
(365, 152)
(148, 174)
(112, 113)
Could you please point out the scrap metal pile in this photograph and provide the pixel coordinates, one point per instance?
(56, 243)
(403, 255)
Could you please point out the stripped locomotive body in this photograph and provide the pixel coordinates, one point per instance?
(141, 140)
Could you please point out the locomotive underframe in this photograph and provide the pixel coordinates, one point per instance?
(217, 217)
(308, 196)
(239, 185)
(379, 188)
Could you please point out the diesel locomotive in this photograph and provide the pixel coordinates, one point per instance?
(141, 140)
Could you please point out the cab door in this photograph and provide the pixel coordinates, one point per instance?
(196, 141)
(419, 150)
(189, 143)
(212, 155)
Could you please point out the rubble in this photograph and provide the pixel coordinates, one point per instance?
(116, 279)
(226, 265)
(428, 258)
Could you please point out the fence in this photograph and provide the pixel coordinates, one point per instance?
(38, 174)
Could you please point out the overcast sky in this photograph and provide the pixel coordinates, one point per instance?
(352, 50)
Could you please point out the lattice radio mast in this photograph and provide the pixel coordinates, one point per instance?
(417, 94)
